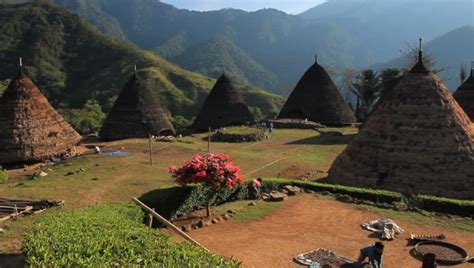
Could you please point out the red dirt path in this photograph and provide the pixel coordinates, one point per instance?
(305, 223)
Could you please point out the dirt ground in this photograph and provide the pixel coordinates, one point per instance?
(305, 223)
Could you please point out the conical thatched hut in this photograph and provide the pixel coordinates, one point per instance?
(30, 128)
(317, 99)
(464, 95)
(135, 114)
(223, 107)
(418, 140)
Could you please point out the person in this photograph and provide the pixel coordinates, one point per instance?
(254, 188)
(374, 253)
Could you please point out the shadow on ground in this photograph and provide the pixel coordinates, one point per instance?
(326, 139)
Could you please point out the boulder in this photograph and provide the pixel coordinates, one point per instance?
(215, 221)
(200, 224)
(226, 216)
(292, 190)
(278, 197)
(43, 174)
(186, 228)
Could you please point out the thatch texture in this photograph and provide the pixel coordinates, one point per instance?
(135, 114)
(317, 99)
(418, 140)
(30, 128)
(464, 95)
(223, 107)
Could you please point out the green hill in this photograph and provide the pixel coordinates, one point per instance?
(72, 63)
(220, 52)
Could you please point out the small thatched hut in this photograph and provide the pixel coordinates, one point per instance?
(135, 114)
(418, 141)
(317, 99)
(464, 95)
(31, 129)
(223, 107)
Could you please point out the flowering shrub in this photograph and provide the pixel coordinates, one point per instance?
(214, 171)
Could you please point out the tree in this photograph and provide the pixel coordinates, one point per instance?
(347, 77)
(411, 54)
(215, 172)
(367, 90)
(389, 78)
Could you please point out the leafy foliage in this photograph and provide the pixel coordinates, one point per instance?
(87, 119)
(3, 176)
(109, 235)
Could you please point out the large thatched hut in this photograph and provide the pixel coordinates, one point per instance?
(464, 95)
(136, 114)
(317, 99)
(31, 129)
(223, 107)
(418, 140)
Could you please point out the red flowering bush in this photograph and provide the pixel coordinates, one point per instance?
(214, 171)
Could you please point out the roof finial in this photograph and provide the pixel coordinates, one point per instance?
(420, 50)
(21, 62)
(135, 69)
(316, 58)
(20, 66)
(223, 70)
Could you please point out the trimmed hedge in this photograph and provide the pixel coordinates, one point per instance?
(176, 201)
(239, 134)
(109, 236)
(463, 208)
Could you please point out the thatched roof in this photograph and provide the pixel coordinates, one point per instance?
(464, 95)
(30, 128)
(223, 107)
(136, 114)
(317, 99)
(418, 140)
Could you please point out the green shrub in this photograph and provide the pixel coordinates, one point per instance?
(109, 235)
(89, 118)
(463, 208)
(3, 176)
(239, 134)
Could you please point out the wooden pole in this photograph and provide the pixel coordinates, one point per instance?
(209, 141)
(167, 223)
(150, 149)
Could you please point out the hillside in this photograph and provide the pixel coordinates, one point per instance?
(449, 51)
(219, 53)
(354, 34)
(73, 62)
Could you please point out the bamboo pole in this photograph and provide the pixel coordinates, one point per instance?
(150, 149)
(167, 223)
(209, 141)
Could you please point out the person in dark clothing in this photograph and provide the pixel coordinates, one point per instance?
(374, 253)
(254, 188)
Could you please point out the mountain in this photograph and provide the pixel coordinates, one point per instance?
(72, 63)
(220, 53)
(449, 51)
(344, 33)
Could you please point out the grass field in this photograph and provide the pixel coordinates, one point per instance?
(95, 179)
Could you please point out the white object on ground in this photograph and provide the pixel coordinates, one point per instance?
(385, 227)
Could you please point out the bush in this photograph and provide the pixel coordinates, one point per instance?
(463, 208)
(87, 119)
(239, 134)
(3, 176)
(109, 235)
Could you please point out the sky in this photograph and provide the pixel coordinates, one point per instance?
(288, 6)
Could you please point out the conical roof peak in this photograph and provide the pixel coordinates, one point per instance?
(420, 67)
(316, 98)
(223, 107)
(136, 114)
(30, 128)
(464, 95)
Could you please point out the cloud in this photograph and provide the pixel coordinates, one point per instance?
(289, 6)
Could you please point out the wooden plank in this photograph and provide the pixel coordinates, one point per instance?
(167, 223)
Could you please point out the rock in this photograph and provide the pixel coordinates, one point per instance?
(225, 216)
(252, 204)
(344, 198)
(82, 169)
(186, 228)
(2, 231)
(200, 224)
(43, 174)
(278, 197)
(215, 221)
(207, 223)
(292, 190)
(231, 211)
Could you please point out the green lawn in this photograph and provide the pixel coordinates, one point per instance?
(245, 212)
